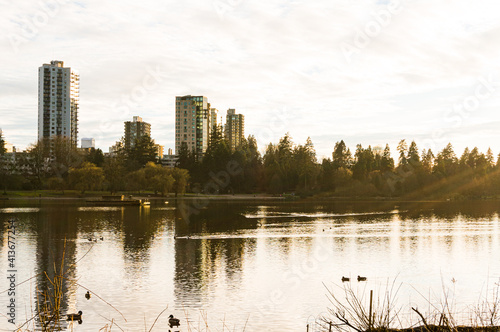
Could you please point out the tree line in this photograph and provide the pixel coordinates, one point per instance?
(285, 167)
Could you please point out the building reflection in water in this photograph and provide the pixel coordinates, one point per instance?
(56, 233)
(204, 256)
(138, 234)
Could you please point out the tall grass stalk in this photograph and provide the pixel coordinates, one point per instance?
(352, 312)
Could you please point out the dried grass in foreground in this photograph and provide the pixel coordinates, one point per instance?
(356, 312)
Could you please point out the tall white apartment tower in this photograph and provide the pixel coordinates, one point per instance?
(58, 99)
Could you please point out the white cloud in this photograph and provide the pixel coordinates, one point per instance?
(260, 58)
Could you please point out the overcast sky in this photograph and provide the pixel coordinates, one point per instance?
(369, 72)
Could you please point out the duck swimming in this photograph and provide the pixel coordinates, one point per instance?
(77, 316)
(173, 321)
(344, 279)
(87, 295)
(361, 278)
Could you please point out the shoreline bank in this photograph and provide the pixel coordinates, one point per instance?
(75, 196)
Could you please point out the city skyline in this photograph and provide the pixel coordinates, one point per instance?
(373, 73)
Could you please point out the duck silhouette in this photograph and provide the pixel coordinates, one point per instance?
(87, 295)
(361, 278)
(344, 279)
(77, 316)
(173, 321)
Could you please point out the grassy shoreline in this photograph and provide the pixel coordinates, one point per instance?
(76, 195)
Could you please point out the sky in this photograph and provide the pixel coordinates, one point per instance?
(367, 72)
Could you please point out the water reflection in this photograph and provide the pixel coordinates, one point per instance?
(56, 231)
(266, 260)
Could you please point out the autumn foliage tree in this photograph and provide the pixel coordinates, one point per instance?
(87, 177)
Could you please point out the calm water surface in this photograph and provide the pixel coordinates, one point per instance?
(256, 266)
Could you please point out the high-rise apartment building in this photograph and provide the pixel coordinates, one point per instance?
(192, 123)
(212, 119)
(58, 99)
(135, 129)
(234, 131)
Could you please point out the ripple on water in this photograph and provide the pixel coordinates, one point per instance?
(313, 215)
(19, 210)
(99, 208)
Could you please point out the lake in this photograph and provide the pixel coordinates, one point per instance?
(248, 265)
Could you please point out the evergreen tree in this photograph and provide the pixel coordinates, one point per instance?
(402, 149)
(341, 156)
(446, 162)
(250, 162)
(142, 152)
(490, 159)
(364, 162)
(413, 157)
(386, 162)
(480, 161)
(95, 156)
(273, 178)
(285, 161)
(464, 159)
(327, 175)
(427, 161)
(278, 161)
(217, 156)
(474, 158)
(186, 159)
(305, 165)
(253, 170)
